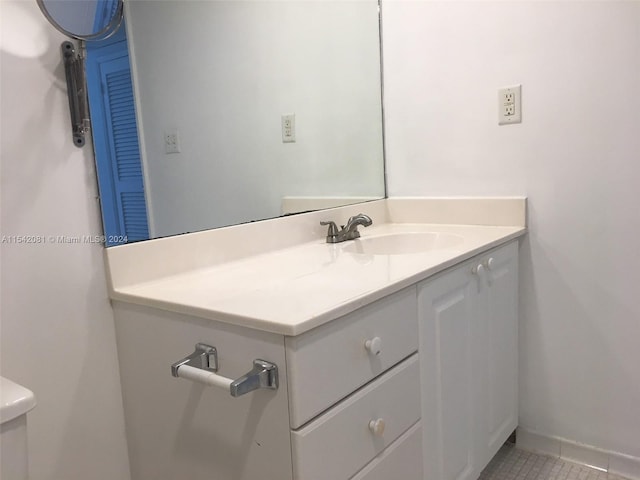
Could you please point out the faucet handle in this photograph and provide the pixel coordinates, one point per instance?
(332, 233)
(333, 228)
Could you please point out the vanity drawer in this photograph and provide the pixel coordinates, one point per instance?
(341, 442)
(402, 459)
(327, 363)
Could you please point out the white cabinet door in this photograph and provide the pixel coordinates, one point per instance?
(468, 321)
(447, 311)
(499, 416)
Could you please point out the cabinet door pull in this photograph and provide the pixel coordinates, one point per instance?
(478, 270)
(490, 263)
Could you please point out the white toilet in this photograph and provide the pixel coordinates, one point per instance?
(15, 402)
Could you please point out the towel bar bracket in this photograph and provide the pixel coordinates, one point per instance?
(203, 364)
(204, 357)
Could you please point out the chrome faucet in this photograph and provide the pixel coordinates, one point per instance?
(348, 231)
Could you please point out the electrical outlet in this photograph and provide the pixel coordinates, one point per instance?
(289, 128)
(510, 105)
(171, 141)
(508, 97)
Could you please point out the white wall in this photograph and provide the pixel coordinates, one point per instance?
(576, 156)
(57, 330)
(222, 73)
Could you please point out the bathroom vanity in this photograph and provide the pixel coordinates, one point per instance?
(396, 353)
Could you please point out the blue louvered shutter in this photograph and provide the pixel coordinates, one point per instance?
(116, 145)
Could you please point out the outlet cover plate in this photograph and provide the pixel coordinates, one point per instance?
(289, 128)
(171, 141)
(510, 105)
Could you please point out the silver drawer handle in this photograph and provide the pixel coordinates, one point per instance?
(201, 366)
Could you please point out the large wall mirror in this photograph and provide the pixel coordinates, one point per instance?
(248, 110)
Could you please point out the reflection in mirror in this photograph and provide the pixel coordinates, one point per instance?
(82, 19)
(254, 109)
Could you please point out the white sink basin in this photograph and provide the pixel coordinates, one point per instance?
(404, 243)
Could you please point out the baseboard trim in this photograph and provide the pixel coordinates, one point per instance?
(612, 462)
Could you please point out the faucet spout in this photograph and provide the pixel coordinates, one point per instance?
(351, 228)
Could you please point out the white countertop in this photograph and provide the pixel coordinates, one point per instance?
(294, 289)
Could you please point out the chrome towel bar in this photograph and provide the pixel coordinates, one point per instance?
(201, 366)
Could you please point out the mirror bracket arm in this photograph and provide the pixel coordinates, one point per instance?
(77, 91)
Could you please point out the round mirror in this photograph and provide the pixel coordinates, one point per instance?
(83, 19)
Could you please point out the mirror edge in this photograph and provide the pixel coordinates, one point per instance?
(103, 34)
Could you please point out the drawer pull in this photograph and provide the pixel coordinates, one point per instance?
(201, 366)
(374, 346)
(377, 427)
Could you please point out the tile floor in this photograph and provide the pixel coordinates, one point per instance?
(511, 463)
